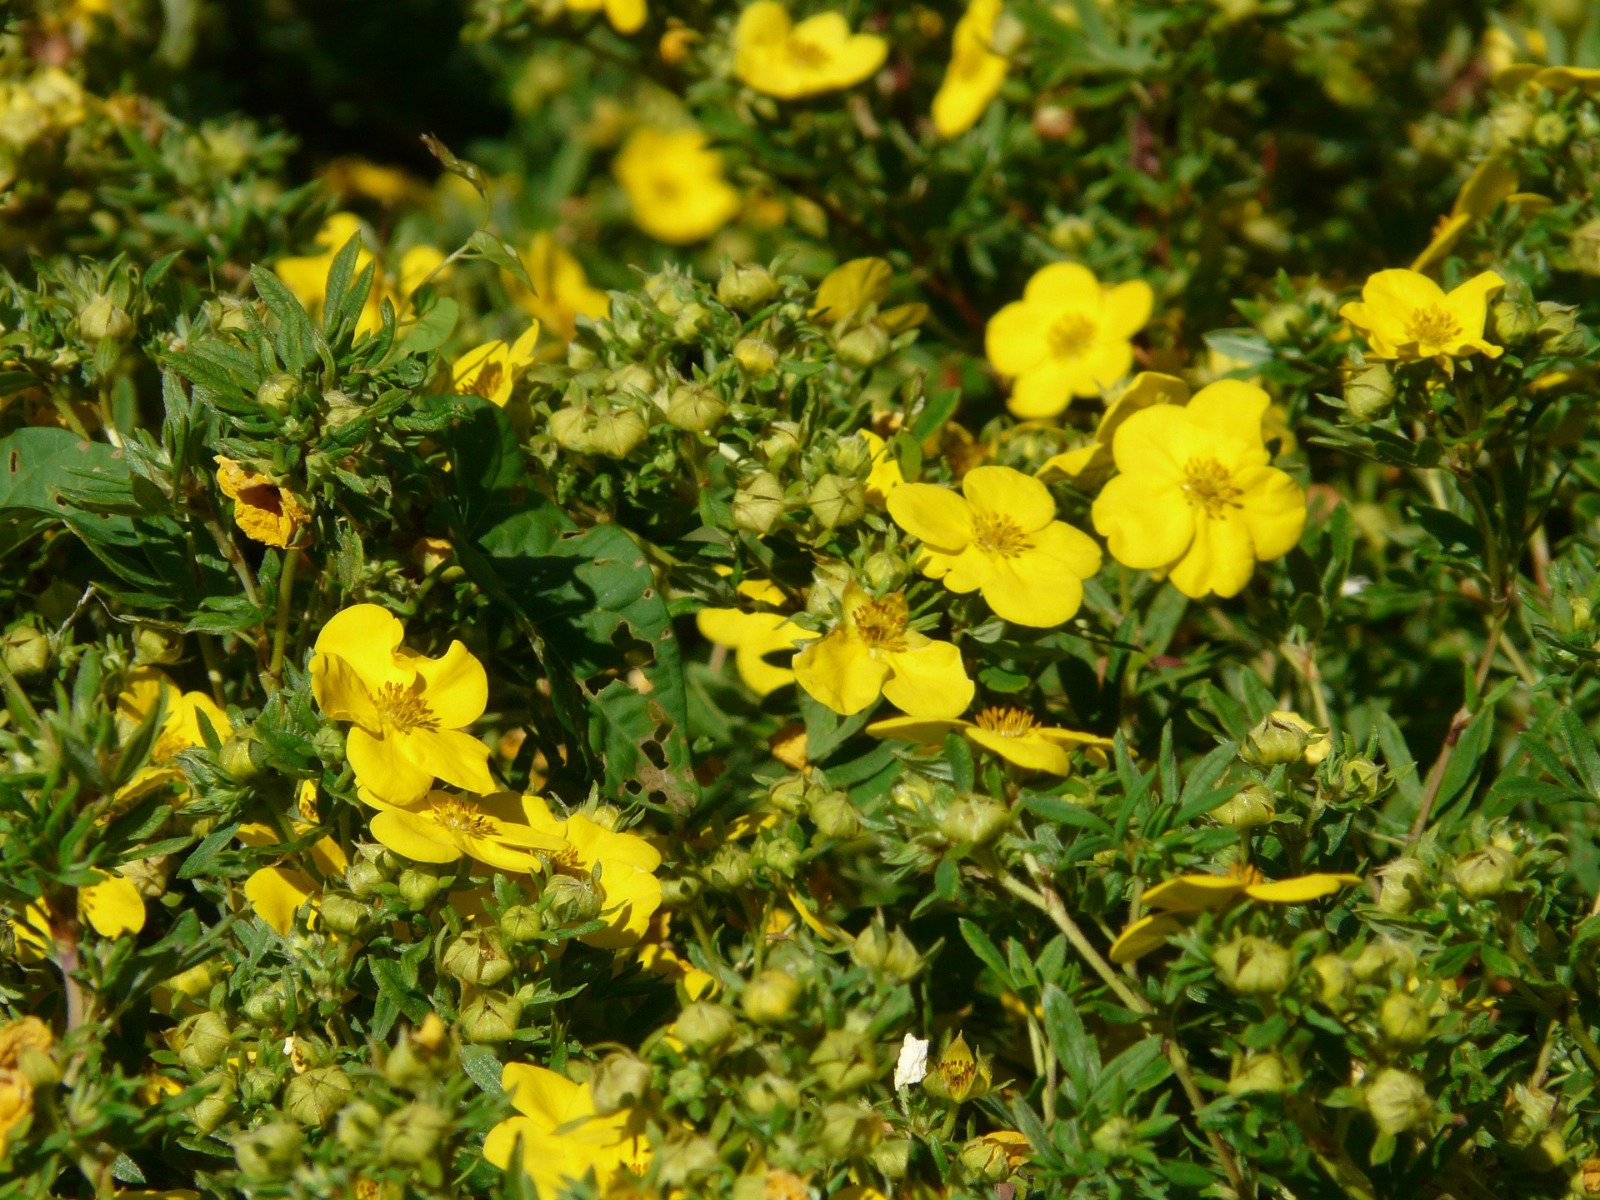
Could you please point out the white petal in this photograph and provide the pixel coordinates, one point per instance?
(913, 1064)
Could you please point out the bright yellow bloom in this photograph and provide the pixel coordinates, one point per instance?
(1196, 497)
(111, 906)
(1186, 895)
(561, 1136)
(143, 689)
(1407, 316)
(1012, 733)
(999, 537)
(885, 474)
(1069, 335)
(852, 292)
(626, 16)
(561, 292)
(407, 712)
(975, 72)
(277, 892)
(775, 56)
(442, 827)
(355, 178)
(872, 653)
(264, 511)
(754, 635)
(492, 369)
(674, 182)
(1089, 465)
(631, 891)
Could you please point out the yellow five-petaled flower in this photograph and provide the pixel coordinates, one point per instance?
(1407, 316)
(780, 58)
(492, 369)
(1000, 537)
(975, 72)
(1196, 496)
(561, 1136)
(1014, 734)
(407, 712)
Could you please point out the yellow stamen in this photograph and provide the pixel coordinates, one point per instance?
(403, 708)
(807, 54)
(1007, 722)
(487, 381)
(1209, 485)
(461, 817)
(881, 624)
(1071, 335)
(1247, 875)
(1432, 326)
(999, 534)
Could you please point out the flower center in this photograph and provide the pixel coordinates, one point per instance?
(806, 53)
(1007, 722)
(460, 816)
(1247, 875)
(565, 862)
(403, 708)
(1209, 485)
(487, 381)
(667, 189)
(168, 743)
(996, 533)
(881, 624)
(1432, 326)
(1071, 335)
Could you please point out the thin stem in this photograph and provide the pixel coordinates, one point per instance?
(280, 633)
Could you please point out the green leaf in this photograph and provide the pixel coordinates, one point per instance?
(1064, 812)
(501, 253)
(987, 952)
(296, 342)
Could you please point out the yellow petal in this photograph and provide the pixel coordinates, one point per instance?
(112, 906)
(1029, 751)
(1231, 408)
(381, 769)
(1146, 522)
(1274, 510)
(1305, 887)
(1221, 558)
(1125, 309)
(1193, 893)
(1035, 589)
(928, 681)
(626, 16)
(1064, 285)
(914, 729)
(935, 514)
(1144, 935)
(276, 894)
(841, 673)
(547, 1099)
(341, 693)
(1016, 339)
(455, 685)
(366, 637)
(632, 897)
(1048, 388)
(413, 836)
(1004, 492)
(455, 757)
(851, 287)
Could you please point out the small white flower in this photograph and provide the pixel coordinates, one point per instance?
(913, 1064)
(1354, 585)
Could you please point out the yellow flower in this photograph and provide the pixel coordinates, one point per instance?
(885, 474)
(561, 292)
(441, 827)
(674, 182)
(1186, 895)
(492, 369)
(277, 892)
(144, 688)
(1491, 181)
(626, 16)
(1196, 497)
(16, 1092)
(561, 1136)
(851, 293)
(999, 537)
(1068, 336)
(407, 712)
(111, 906)
(872, 653)
(355, 178)
(631, 891)
(820, 54)
(1012, 733)
(1089, 465)
(1407, 316)
(263, 511)
(754, 635)
(975, 73)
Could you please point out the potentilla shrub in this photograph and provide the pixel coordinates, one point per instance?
(858, 601)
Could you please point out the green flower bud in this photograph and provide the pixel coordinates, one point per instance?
(790, 794)
(885, 572)
(1516, 318)
(215, 1106)
(203, 1041)
(1405, 884)
(1360, 778)
(696, 408)
(1484, 874)
(1548, 1152)
(620, 1081)
(779, 855)
(478, 957)
(1550, 130)
(851, 456)
(101, 318)
(780, 443)
(746, 288)
(1508, 125)
(680, 889)
(1116, 1138)
(1369, 393)
(491, 1017)
(848, 1130)
(704, 1025)
(1384, 959)
(1253, 966)
(902, 963)
(1559, 331)
(419, 883)
(521, 924)
(1253, 1073)
(865, 346)
(1529, 1113)
(756, 355)
(617, 432)
(1072, 234)
(573, 429)
(154, 646)
(328, 742)
(313, 1098)
(242, 755)
(1275, 742)
(278, 393)
(837, 501)
(412, 1135)
(835, 816)
(693, 319)
(893, 1157)
(26, 651)
(685, 1158)
(974, 821)
(364, 877)
(259, 1086)
(571, 901)
(985, 1161)
(1251, 807)
(421, 1056)
(845, 1060)
(1397, 1101)
(264, 1007)
(359, 1125)
(269, 1151)
(345, 914)
(688, 1083)
(769, 1092)
(729, 868)
(770, 997)
(1403, 1019)
(758, 504)
(342, 408)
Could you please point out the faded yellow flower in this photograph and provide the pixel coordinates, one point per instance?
(675, 184)
(264, 511)
(774, 55)
(142, 690)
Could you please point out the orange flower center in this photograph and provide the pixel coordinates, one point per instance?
(807, 54)
(881, 624)
(487, 381)
(1007, 722)
(995, 533)
(403, 708)
(460, 817)
(1071, 336)
(1208, 485)
(1432, 326)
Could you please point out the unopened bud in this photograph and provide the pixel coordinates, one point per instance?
(269, 1151)
(412, 1134)
(1384, 959)
(1516, 318)
(477, 957)
(491, 1017)
(241, 755)
(265, 1006)
(572, 901)
(845, 1060)
(419, 883)
(885, 572)
(893, 1157)
(780, 443)
(203, 1041)
(616, 432)
(836, 501)
(835, 816)
(1117, 1137)
(1252, 806)
(704, 1026)
(1559, 331)
(345, 914)
(1403, 1019)
(278, 393)
(1483, 874)
(692, 320)
(101, 318)
(359, 1124)
(865, 346)
(1253, 966)
(314, 1097)
(26, 651)
(729, 868)
(1404, 885)
(1550, 129)
(421, 1056)
(1397, 1101)
(848, 1130)
(683, 1159)
(758, 504)
(769, 1092)
(364, 877)
(985, 1161)
(154, 646)
(620, 1081)
(746, 287)
(213, 1109)
(1265, 1072)
(974, 821)
(770, 997)
(1361, 779)
(521, 923)
(695, 407)
(756, 355)
(1274, 742)
(572, 429)
(1369, 393)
